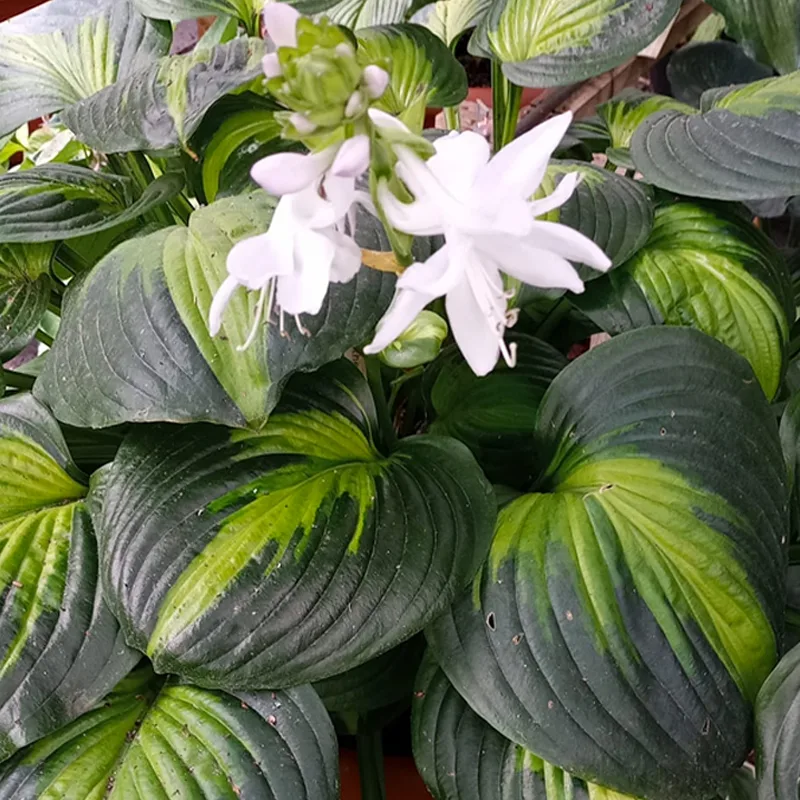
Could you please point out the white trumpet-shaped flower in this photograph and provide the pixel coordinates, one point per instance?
(482, 207)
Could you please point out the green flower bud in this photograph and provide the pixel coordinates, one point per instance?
(419, 344)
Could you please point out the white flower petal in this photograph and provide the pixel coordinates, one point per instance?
(563, 192)
(424, 185)
(353, 157)
(303, 291)
(404, 309)
(459, 160)
(439, 274)
(532, 265)
(384, 120)
(280, 20)
(347, 258)
(519, 167)
(285, 173)
(271, 65)
(252, 262)
(220, 302)
(355, 105)
(569, 243)
(418, 218)
(475, 336)
(302, 123)
(376, 80)
(340, 194)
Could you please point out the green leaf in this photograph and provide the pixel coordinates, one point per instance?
(494, 416)
(272, 558)
(777, 710)
(69, 50)
(615, 212)
(161, 105)
(708, 269)
(357, 14)
(376, 684)
(248, 11)
(24, 293)
(60, 648)
(62, 201)
(769, 29)
(151, 739)
(108, 367)
(708, 65)
(631, 608)
(448, 19)
(744, 146)
(554, 44)
(424, 72)
(461, 757)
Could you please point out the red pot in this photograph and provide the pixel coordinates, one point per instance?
(402, 779)
(484, 94)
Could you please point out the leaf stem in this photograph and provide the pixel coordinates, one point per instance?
(556, 313)
(17, 380)
(44, 338)
(370, 764)
(136, 167)
(375, 380)
(451, 118)
(506, 102)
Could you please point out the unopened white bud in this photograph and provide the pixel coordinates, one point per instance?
(376, 81)
(355, 105)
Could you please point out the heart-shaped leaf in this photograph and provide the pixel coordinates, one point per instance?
(708, 65)
(708, 269)
(61, 648)
(554, 44)
(107, 367)
(744, 146)
(62, 201)
(424, 72)
(776, 730)
(630, 609)
(69, 50)
(150, 739)
(161, 105)
(292, 554)
(494, 416)
(24, 294)
(448, 19)
(770, 29)
(248, 11)
(461, 757)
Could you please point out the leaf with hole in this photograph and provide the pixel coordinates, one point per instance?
(69, 50)
(545, 44)
(55, 202)
(154, 738)
(744, 145)
(161, 105)
(424, 72)
(461, 757)
(709, 269)
(709, 65)
(134, 344)
(62, 650)
(632, 605)
(272, 558)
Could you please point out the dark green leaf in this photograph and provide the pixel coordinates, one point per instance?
(555, 44)
(61, 648)
(272, 558)
(744, 146)
(151, 739)
(708, 65)
(461, 757)
(24, 294)
(69, 50)
(630, 610)
(134, 343)
(424, 72)
(777, 719)
(376, 684)
(494, 416)
(161, 105)
(770, 29)
(62, 201)
(248, 11)
(708, 269)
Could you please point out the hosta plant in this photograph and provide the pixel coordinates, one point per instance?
(299, 435)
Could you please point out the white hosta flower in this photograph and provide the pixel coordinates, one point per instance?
(482, 207)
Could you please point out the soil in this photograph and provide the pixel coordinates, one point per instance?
(479, 70)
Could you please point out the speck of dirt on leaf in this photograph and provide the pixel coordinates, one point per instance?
(516, 639)
(273, 720)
